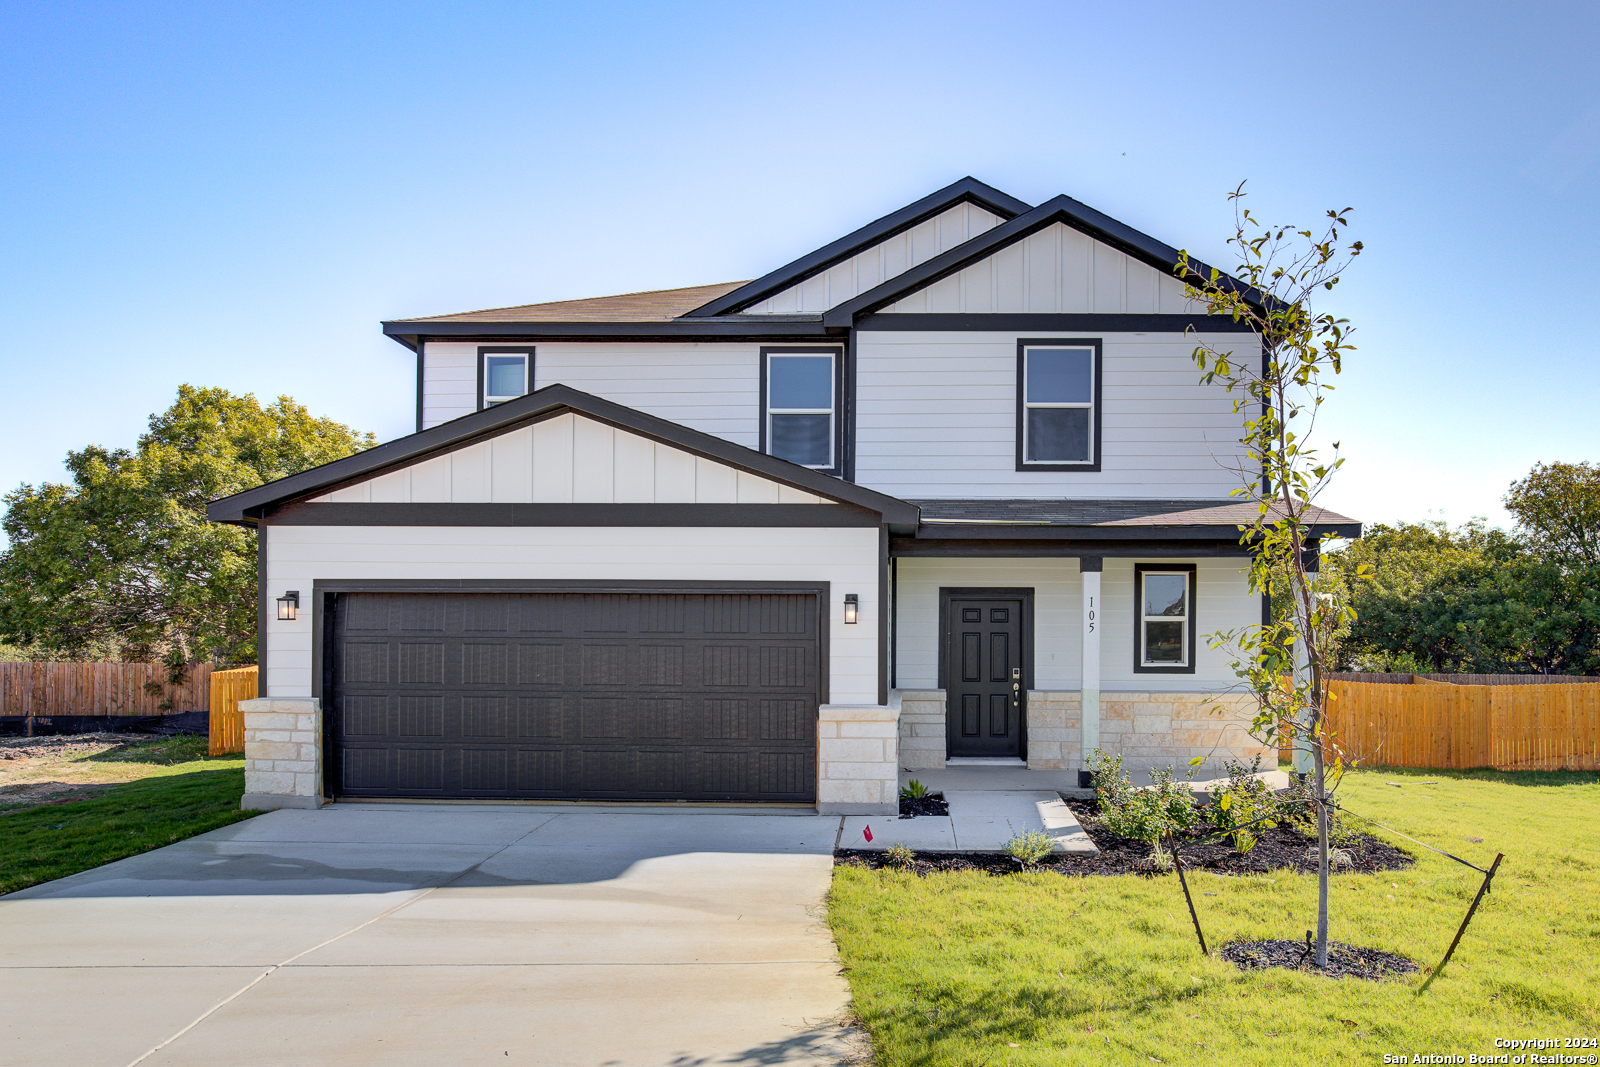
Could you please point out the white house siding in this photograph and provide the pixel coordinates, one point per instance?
(879, 263)
(569, 460)
(1057, 606)
(1057, 271)
(936, 419)
(710, 387)
(1223, 602)
(847, 558)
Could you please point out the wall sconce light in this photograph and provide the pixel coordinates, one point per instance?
(289, 606)
(852, 603)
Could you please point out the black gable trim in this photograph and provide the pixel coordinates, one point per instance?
(967, 190)
(757, 328)
(245, 508)
(1023, 322)
(789, 515)
(1062, 209)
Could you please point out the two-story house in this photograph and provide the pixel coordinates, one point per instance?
(948, 488)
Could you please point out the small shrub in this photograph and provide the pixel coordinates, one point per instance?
(1112, 787)
(1031, 847)
(1164, 808)
(1338, 858)
(899, 856)
(1299, 810)
(1241, 802)
(913, 790)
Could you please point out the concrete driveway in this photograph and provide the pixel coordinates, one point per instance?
(430, 935)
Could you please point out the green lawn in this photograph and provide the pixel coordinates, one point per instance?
(163, 791)
(967, 968)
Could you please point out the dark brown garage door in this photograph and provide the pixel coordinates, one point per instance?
(575, 696)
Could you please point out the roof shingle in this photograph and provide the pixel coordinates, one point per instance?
(656, 305)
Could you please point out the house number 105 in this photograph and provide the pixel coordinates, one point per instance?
(1091, 614)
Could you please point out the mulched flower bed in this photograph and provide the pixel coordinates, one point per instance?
(1276, 849)
(1344, 960)
(932, 804)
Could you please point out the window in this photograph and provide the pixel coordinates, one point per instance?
(1164, 618)
(1058, 400)
(800, 406)
(503, 374)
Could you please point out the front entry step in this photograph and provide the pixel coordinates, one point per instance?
(979, 821)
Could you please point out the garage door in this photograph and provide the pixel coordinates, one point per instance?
(575, 696)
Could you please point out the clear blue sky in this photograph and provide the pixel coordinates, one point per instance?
(235, 195)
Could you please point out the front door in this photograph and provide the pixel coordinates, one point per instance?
(984, 691)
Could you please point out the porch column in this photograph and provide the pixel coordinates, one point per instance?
(1303, 763)
(1089, 568)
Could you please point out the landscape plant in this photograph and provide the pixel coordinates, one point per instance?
(1243, 805)
(1030, 847)
(1279, 382)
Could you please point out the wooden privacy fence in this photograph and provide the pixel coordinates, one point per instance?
(47, 689)
(227, 721)
(1427, 722)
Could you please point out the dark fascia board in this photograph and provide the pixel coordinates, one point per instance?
(967, 190)
(1027, 322)
(246, 507)
(787, 515)
(747, 328)
(1001, 548)
(1062, 209)
(959, 531)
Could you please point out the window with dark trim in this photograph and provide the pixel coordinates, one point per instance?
(800, 408)
(503, 374)
(1163, 618)
(1058, 404)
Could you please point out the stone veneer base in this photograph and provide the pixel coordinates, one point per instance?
(273, 801)
(858, 772)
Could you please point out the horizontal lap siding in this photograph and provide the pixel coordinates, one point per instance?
(1223, 601)
(936, 417)
(1057, 600)
(708, 387)
(848, 558)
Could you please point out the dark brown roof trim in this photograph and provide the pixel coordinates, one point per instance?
(968, 190)
(746, 328)
(1062, 209)
(246, 507)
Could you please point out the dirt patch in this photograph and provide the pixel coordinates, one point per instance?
(66, 746)
(1344, 961)
(932, 804)
(59, 769)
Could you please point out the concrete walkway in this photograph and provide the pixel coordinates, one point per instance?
(435, 935)
(979, 821)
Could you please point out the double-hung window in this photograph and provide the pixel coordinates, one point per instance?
(800, 406)
(1164, 618)
(503, 374)
(1058, 405)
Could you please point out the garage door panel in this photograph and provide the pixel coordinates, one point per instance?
(609, 696)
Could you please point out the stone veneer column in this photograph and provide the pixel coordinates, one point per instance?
(1089, 568)
(1054, 722)
(923, 735)
(858, 767)
(282, 754)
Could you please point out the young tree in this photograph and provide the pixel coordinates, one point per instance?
(123, 562)
(1279, 387)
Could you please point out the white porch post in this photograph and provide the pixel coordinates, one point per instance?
(1089, 570)
(1302, 664)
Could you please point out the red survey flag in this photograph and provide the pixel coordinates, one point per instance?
(866, 832)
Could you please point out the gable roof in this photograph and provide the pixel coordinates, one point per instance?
(968, 190)
(1220, 519)
(247, 507)
(1063, 209)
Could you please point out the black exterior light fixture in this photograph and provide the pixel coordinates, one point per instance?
(852, 604)
(289, 606)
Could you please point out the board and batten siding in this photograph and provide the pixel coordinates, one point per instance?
(877, 264)
(569, 460)
(848, 558)
(713, 388)
(1057, 271)
(1223, 602)
(936, 419)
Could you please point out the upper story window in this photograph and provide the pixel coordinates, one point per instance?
(1164, 618)
(1058, 405)
(800, 406)
(503, 374)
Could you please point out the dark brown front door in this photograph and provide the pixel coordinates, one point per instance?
(983, 658)
(575, 696)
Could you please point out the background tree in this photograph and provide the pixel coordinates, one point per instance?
(121, 562)
(1279, 388)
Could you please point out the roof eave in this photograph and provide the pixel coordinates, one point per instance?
(967, 190)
